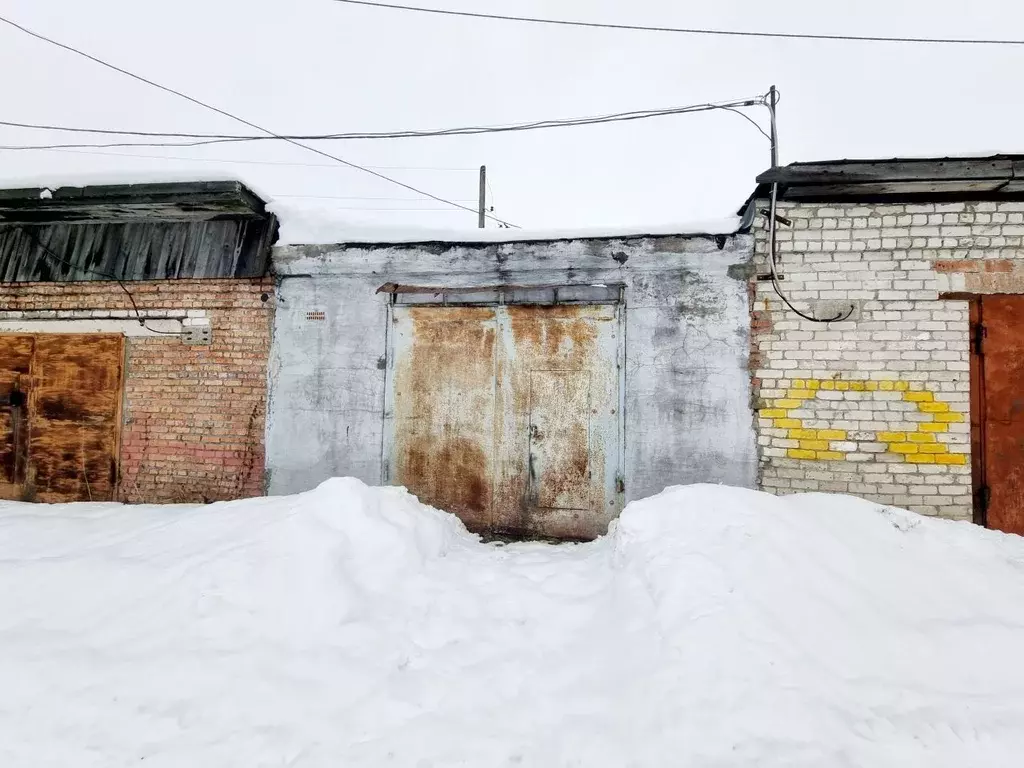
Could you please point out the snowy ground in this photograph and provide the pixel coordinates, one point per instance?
(351, 626)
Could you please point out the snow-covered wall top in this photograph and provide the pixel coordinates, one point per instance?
(305, 226)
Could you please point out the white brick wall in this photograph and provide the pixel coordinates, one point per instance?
(880, 406)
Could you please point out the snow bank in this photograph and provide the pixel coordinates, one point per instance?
(351, 626)
(302, 225)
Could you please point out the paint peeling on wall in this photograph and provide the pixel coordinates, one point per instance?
(686, 351)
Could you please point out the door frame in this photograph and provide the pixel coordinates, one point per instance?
(404, 296)
(979, 472)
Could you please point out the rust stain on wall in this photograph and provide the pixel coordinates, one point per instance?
(67, 443)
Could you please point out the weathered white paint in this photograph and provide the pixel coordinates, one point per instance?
(688, 414)
(129, 328)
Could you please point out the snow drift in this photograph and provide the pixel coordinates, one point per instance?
(352, 626)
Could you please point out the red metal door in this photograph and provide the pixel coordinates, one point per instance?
(1000, 402)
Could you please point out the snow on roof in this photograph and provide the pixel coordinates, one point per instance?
(309, 226)
(56, 180)
(48, 184)
(304, 225)
(875, 158)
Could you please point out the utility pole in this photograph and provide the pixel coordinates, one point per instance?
(482, 218)
(773, 255)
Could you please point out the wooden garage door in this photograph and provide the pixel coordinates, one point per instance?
(15, 383)
(60, 399)
(508, 416)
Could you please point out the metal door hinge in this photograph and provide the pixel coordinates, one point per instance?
(984, 498)
(978, 338)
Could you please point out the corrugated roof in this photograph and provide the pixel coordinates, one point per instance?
(134, 232)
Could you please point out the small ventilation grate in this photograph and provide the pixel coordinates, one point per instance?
(197, 335)
(316, 315)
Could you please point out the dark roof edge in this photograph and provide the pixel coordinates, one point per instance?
(916, 169)
(376, 244)
(167, 193)
(898, 179)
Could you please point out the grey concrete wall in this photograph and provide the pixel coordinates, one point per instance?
(688, 410)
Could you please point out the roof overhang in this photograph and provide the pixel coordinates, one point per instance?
(130, 202)
(995, 177)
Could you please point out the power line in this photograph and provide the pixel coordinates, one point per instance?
(342, 197)
(685, 30)
(108, 131)
(203, 139)
(225, 113)
(235, 161)
(400, 210)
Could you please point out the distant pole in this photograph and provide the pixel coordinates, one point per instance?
(482, 218)
(773, 98)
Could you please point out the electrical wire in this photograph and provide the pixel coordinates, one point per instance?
(490, 194)
(344, 197)
(235, 161)
(234, 117)
(771, 103)
(687, 30)
(772, 256)
(750, 120)
(401, 210)
(48, 252)
(205, 139)
(113, 132)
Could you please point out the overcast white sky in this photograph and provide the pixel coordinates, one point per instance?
(321, 66)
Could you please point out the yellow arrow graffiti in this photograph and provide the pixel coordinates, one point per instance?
(919, 445)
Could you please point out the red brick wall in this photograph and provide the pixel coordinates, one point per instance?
(986, 275)
(193, 416)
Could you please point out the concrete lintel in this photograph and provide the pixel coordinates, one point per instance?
(128, 327)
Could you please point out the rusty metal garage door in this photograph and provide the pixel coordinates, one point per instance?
(60, 400)
(997, 388)
(508, 416)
